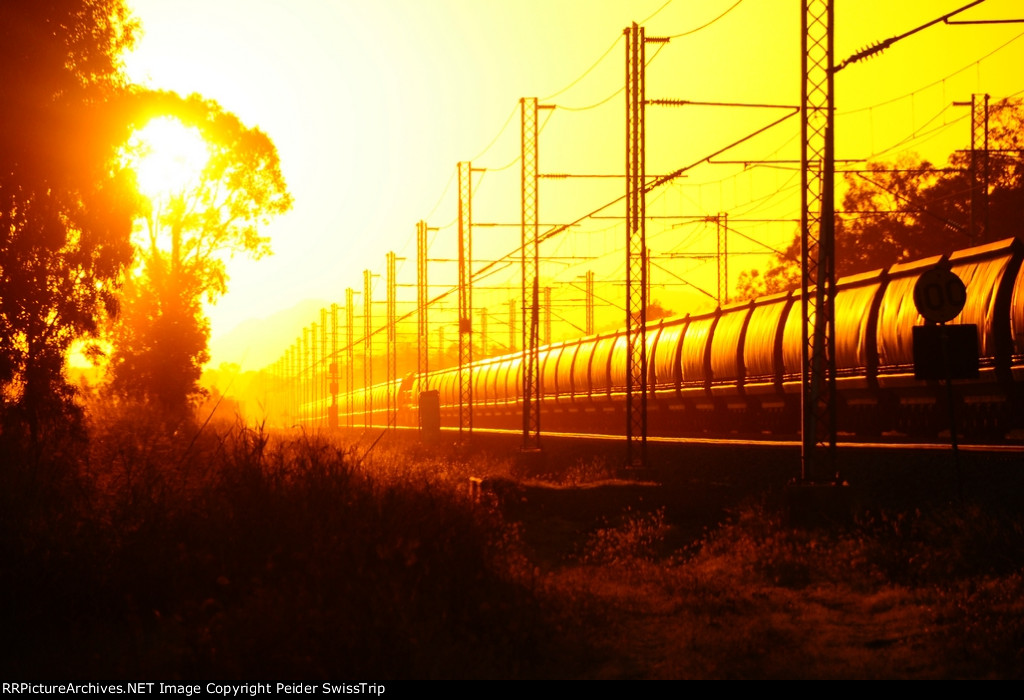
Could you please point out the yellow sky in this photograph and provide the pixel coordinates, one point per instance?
(372, 104)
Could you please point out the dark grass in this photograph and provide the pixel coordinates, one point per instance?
(230, 552)
(242, 555)
(896, 594)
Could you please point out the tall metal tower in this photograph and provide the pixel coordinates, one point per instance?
(293, 376)
(483, 331)
(304, 374)
(392, 342)
(313, 379)
(979, 168)
(350, 354)
(636, 242)
(296, 381)
(531, 273)
(817, 243)
(465, 172)
(722, 223)
(333, 419)
(422, 301)
(545, 305)
(322, 382)
(367, 348)
(512, 325)
(588, 302)
(440, 346)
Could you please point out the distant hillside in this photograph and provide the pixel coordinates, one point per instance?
(259, 342)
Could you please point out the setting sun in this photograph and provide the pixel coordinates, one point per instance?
(167, 157)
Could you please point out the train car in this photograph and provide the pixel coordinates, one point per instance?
(735, 370)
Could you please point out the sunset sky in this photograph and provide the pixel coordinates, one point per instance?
(372, 104)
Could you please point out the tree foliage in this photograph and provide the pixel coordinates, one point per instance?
(160, 339)
(160, 345)
(66, 209)
(68, 202)
(910, 209)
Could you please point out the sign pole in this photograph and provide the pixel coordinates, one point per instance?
(940, 296)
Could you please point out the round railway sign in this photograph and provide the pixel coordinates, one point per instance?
(939, 295)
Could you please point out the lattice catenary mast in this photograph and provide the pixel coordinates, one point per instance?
(367, 348)
(392, 342)
(817, 244)
(465, 172)
(422, 301)
(531, 270)
(636, 241)
(350, 354)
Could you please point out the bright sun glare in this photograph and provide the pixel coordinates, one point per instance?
(170, 157)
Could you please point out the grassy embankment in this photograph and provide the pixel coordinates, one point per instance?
(237, 553)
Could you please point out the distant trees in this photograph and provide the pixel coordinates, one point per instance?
(160, 338)
(66, 208)
(656, 310)
(910, 209)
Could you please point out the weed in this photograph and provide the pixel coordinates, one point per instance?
(637, 539)
(240, 553)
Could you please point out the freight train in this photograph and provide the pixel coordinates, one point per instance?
(735, 371)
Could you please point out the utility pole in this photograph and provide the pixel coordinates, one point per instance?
(293, 366)
(304, 383)
(530, 247)
(465, 173)
(367, 348)
(647, 295)
(588, 301)
(297, 381)
(483, 331)
(817, 243)
(392, 342)
(350, 355)
(722, 222)
(440, 346)
(286, 384)
(314, 388)
(333, 419)
(322, 387)
(979, 168)
(422, 302)
(546, 303)
(292, 395)
(636, 248)
(512, 325)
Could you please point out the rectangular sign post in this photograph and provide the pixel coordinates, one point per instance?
(947, 352)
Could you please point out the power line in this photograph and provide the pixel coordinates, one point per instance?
(585, 73)
(614, 94)
(498, 135)
(655, 13)
(707, 24)
(932, 84)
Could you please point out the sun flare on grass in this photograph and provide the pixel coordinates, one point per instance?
(168, 157)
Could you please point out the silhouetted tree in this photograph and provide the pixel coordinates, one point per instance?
(656, 310)
(895, 212)
(160, 345)
(66, 209)
(160, 338)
